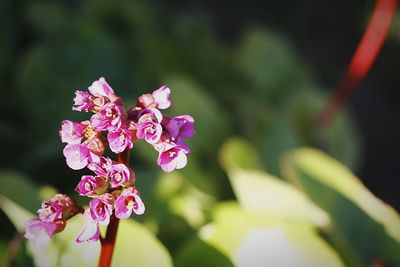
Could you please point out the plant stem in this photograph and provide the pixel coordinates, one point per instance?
(363, 58)
(108, 243)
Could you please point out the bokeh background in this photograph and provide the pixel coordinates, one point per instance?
(256, 71)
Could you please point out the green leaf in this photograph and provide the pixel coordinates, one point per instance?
(253, 239)
(135, 246)
(20, 190)
(237, 153)
(360, 221)
(197, 253)
(17, 214)
(260, 192)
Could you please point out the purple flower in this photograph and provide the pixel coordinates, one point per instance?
(77, 156)
(150, 131)
(40, 233)
(90, 231)
(161, 97)
(119, 140)
(100, 208)
(50, 211)
(91, 185)
(171, 157)
(180, 127)
(109, 117)
(82, 101)
(119, 174)
(71, 132)
(100, 166)
(126, 203)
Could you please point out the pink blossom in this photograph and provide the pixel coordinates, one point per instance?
(171, 157)
(100, 208)
(90, 231)
(126, 203)
(71, 132)
(40, 232)
(119, 174)
(109, 117)
(91, 185)
(180, 127)
(100, 165)
(95, 145)
(119, 140)
(64, 202)
(82, 101)
(150, 114)
(77, 156)
(102, 88)
(150, 131)
(50, 211)
(161, 97)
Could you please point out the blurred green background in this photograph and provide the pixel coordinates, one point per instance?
(254, 75)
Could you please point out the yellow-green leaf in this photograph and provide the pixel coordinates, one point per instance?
(361, 222)
(263, 193)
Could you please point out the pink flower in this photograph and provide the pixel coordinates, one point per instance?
(171, 157)
(161, 97)
(82, 101)
(119, 174)
(109, 117)
(180, 127)
(40, 233)
(100, 208)
(102, 88)
(150, 131)
(77, 156)
(95, 145)
(126, 203)
(64, 202)
(91, 185)
(150, 114)
(119, 140)
(90, 231)
(71, 132)
(100, 166)
(158, 99)
(50, 211)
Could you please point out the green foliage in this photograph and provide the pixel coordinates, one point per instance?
(374, 228)
(19, 189)
(135, 244)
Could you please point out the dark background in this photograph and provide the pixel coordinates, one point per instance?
(44, 59)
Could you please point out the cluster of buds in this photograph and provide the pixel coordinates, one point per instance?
(112, 187)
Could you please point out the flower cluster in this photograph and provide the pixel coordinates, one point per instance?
(52, 218)
(112, 184)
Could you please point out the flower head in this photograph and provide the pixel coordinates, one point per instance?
(119, 140)
(171, 157)
(126, 203)
(77, 156)
(100, 208)
(109, 117)
(119, 174)
(91, 185)
(40, 232)
(71, 132)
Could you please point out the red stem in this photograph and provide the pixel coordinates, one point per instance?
(108, 242)
(363, 58)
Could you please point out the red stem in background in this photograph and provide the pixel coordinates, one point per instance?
(108, 243)
(363, 58)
